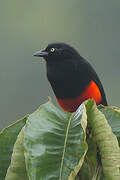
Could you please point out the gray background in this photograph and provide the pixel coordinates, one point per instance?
(91, 26)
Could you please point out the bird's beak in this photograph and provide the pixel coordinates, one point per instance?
(41, 53)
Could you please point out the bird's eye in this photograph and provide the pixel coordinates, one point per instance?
(52, 49)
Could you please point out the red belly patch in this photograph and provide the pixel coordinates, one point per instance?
(91, 92)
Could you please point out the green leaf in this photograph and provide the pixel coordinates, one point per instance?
(106, 142)
(55, 143)
(112, 114)
(90, 169)
(8, 137)
(17, 168)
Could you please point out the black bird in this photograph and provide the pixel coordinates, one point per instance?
(72, 78)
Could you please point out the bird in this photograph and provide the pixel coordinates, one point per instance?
(72, 77)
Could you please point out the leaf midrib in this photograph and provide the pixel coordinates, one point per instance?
(64, 148)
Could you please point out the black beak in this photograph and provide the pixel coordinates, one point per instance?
(41, 53)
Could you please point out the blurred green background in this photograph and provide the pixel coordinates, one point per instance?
(92, 27)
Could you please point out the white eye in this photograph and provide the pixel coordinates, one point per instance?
(52, 49)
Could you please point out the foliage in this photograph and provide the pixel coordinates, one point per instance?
(51, 144)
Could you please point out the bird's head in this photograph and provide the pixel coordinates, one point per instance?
(57, 51)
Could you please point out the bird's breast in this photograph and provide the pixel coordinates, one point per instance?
(71, 104)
